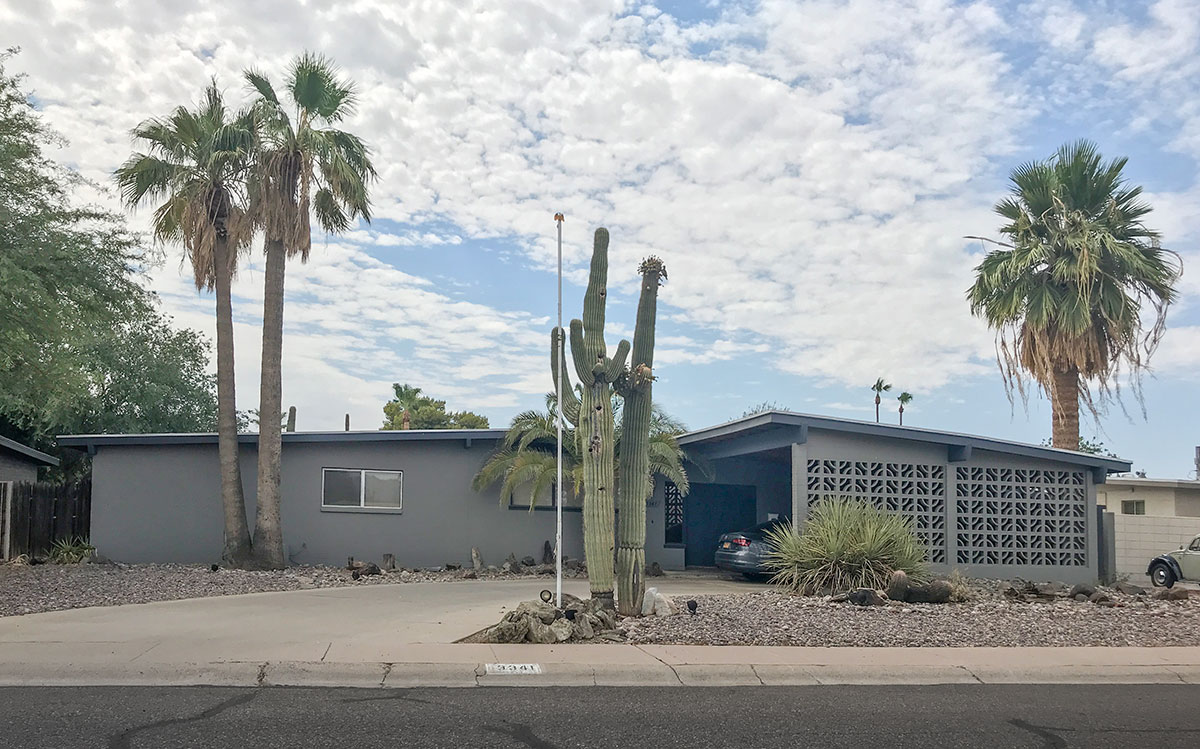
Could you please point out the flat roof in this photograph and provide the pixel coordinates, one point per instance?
(25, 451)
(1163, 483)
(748, 426)
(90, 442)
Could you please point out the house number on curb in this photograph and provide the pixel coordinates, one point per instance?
(514, 668)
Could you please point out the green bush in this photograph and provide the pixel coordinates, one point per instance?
(70, 551)
(845, 544)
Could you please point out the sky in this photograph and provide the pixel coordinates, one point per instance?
(807, 170)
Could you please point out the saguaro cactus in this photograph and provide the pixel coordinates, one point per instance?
(635, 486)
(597, 373)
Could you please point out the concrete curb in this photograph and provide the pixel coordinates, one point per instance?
(408, 675)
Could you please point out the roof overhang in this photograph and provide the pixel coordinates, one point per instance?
(91, 442)
(773, 429)
(27, 452)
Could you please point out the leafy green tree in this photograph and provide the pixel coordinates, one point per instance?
(83, 346)
(195, 166)
(526, 458)
(880, 387)
(304, 167)
(1065, 293)
(425, 413)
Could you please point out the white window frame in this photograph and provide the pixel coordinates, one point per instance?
(362, 491)
(1135, 505)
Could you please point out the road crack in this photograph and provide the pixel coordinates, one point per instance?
(124, 739)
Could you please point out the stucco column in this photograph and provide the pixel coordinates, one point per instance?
(799, 483)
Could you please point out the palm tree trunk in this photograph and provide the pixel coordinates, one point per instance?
(876, 408)
(902, 416)
(268, 533)
(237, 532)
(1064, 402)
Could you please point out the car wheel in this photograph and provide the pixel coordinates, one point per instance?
(1161, 576)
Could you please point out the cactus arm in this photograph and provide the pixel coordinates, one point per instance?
(594, 302)
(583, 363)
(616, 365)
(568, 401)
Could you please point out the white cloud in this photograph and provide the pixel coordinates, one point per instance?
(807, 175)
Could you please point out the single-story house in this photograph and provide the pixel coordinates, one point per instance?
(989, 507)
(20, 462)
(1127, 495)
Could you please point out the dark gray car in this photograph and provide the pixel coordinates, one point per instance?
(746, 551)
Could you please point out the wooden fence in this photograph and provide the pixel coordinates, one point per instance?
(34, 516)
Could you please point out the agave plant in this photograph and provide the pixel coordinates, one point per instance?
(845, 544)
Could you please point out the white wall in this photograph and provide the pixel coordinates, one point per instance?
(1140, 538)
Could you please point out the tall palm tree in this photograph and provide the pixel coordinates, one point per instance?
(905, 398)
(526, 457)
(195, 162)
(1066, 291)
(880, 387)
(305, 167)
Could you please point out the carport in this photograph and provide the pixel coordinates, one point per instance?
(992, 508)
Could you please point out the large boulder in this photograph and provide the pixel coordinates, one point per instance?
(1171, 594)
(510, 629)
(544, 612)
(547, 553)
(528, 561)
(476, 560)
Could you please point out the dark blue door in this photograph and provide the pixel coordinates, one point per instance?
(709, 511)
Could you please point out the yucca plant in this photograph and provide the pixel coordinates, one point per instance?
(845, 544)
(70, 550)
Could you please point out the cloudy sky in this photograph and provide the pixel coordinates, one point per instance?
(806, 169)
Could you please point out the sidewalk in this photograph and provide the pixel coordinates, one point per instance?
(403, 636)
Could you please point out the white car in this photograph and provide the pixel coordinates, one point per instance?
(1183, 564)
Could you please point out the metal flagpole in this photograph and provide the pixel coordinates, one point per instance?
(558, 364)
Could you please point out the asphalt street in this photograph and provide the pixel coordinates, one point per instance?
(546, 718)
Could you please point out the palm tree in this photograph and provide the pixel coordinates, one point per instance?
(526, 458)
(1066, 292)
(305, 167)
(880, 387)
(195, 163)
(904, 398)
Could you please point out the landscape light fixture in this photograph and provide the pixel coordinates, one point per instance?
(547, 596)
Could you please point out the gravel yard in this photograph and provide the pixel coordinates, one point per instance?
(30, 589)
(990, 620)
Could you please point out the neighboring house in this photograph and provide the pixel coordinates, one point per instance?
(1161, 497)
(989, 507)
(1151, 517)
(20, 462)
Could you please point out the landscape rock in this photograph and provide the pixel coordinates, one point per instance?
(898, 586)
(574, 564)
(1082, 588)
(544, 569)
(582, 629)
(451, 566)
(528, 561)
(935, 591)
(476, 559)
(662, 605)
(508, 630)
(547, 553)
(1081, 597)
(1099, 597)
(654, 569)
(470, 575)
(1051, 589)
(368, 568)
(839, 598)
(865, 597)
(511, 561)
(1171, 594)
(648, 601)
(538, 610)
(1130, 589)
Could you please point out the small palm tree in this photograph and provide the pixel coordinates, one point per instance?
(880, 387)
(527, 458)
(1065, 295)
(904, 398)
(195, 162)
(305, 167)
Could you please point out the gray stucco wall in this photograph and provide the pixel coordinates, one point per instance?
(162, 504)
(16, 468)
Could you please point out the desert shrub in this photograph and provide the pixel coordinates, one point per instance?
(960, 587)
(845, 544)
(70, 551)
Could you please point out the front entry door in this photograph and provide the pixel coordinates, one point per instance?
(713, 509)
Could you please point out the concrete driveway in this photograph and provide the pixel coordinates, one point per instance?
(357, 624)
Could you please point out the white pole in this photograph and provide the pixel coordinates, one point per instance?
(558, 364)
